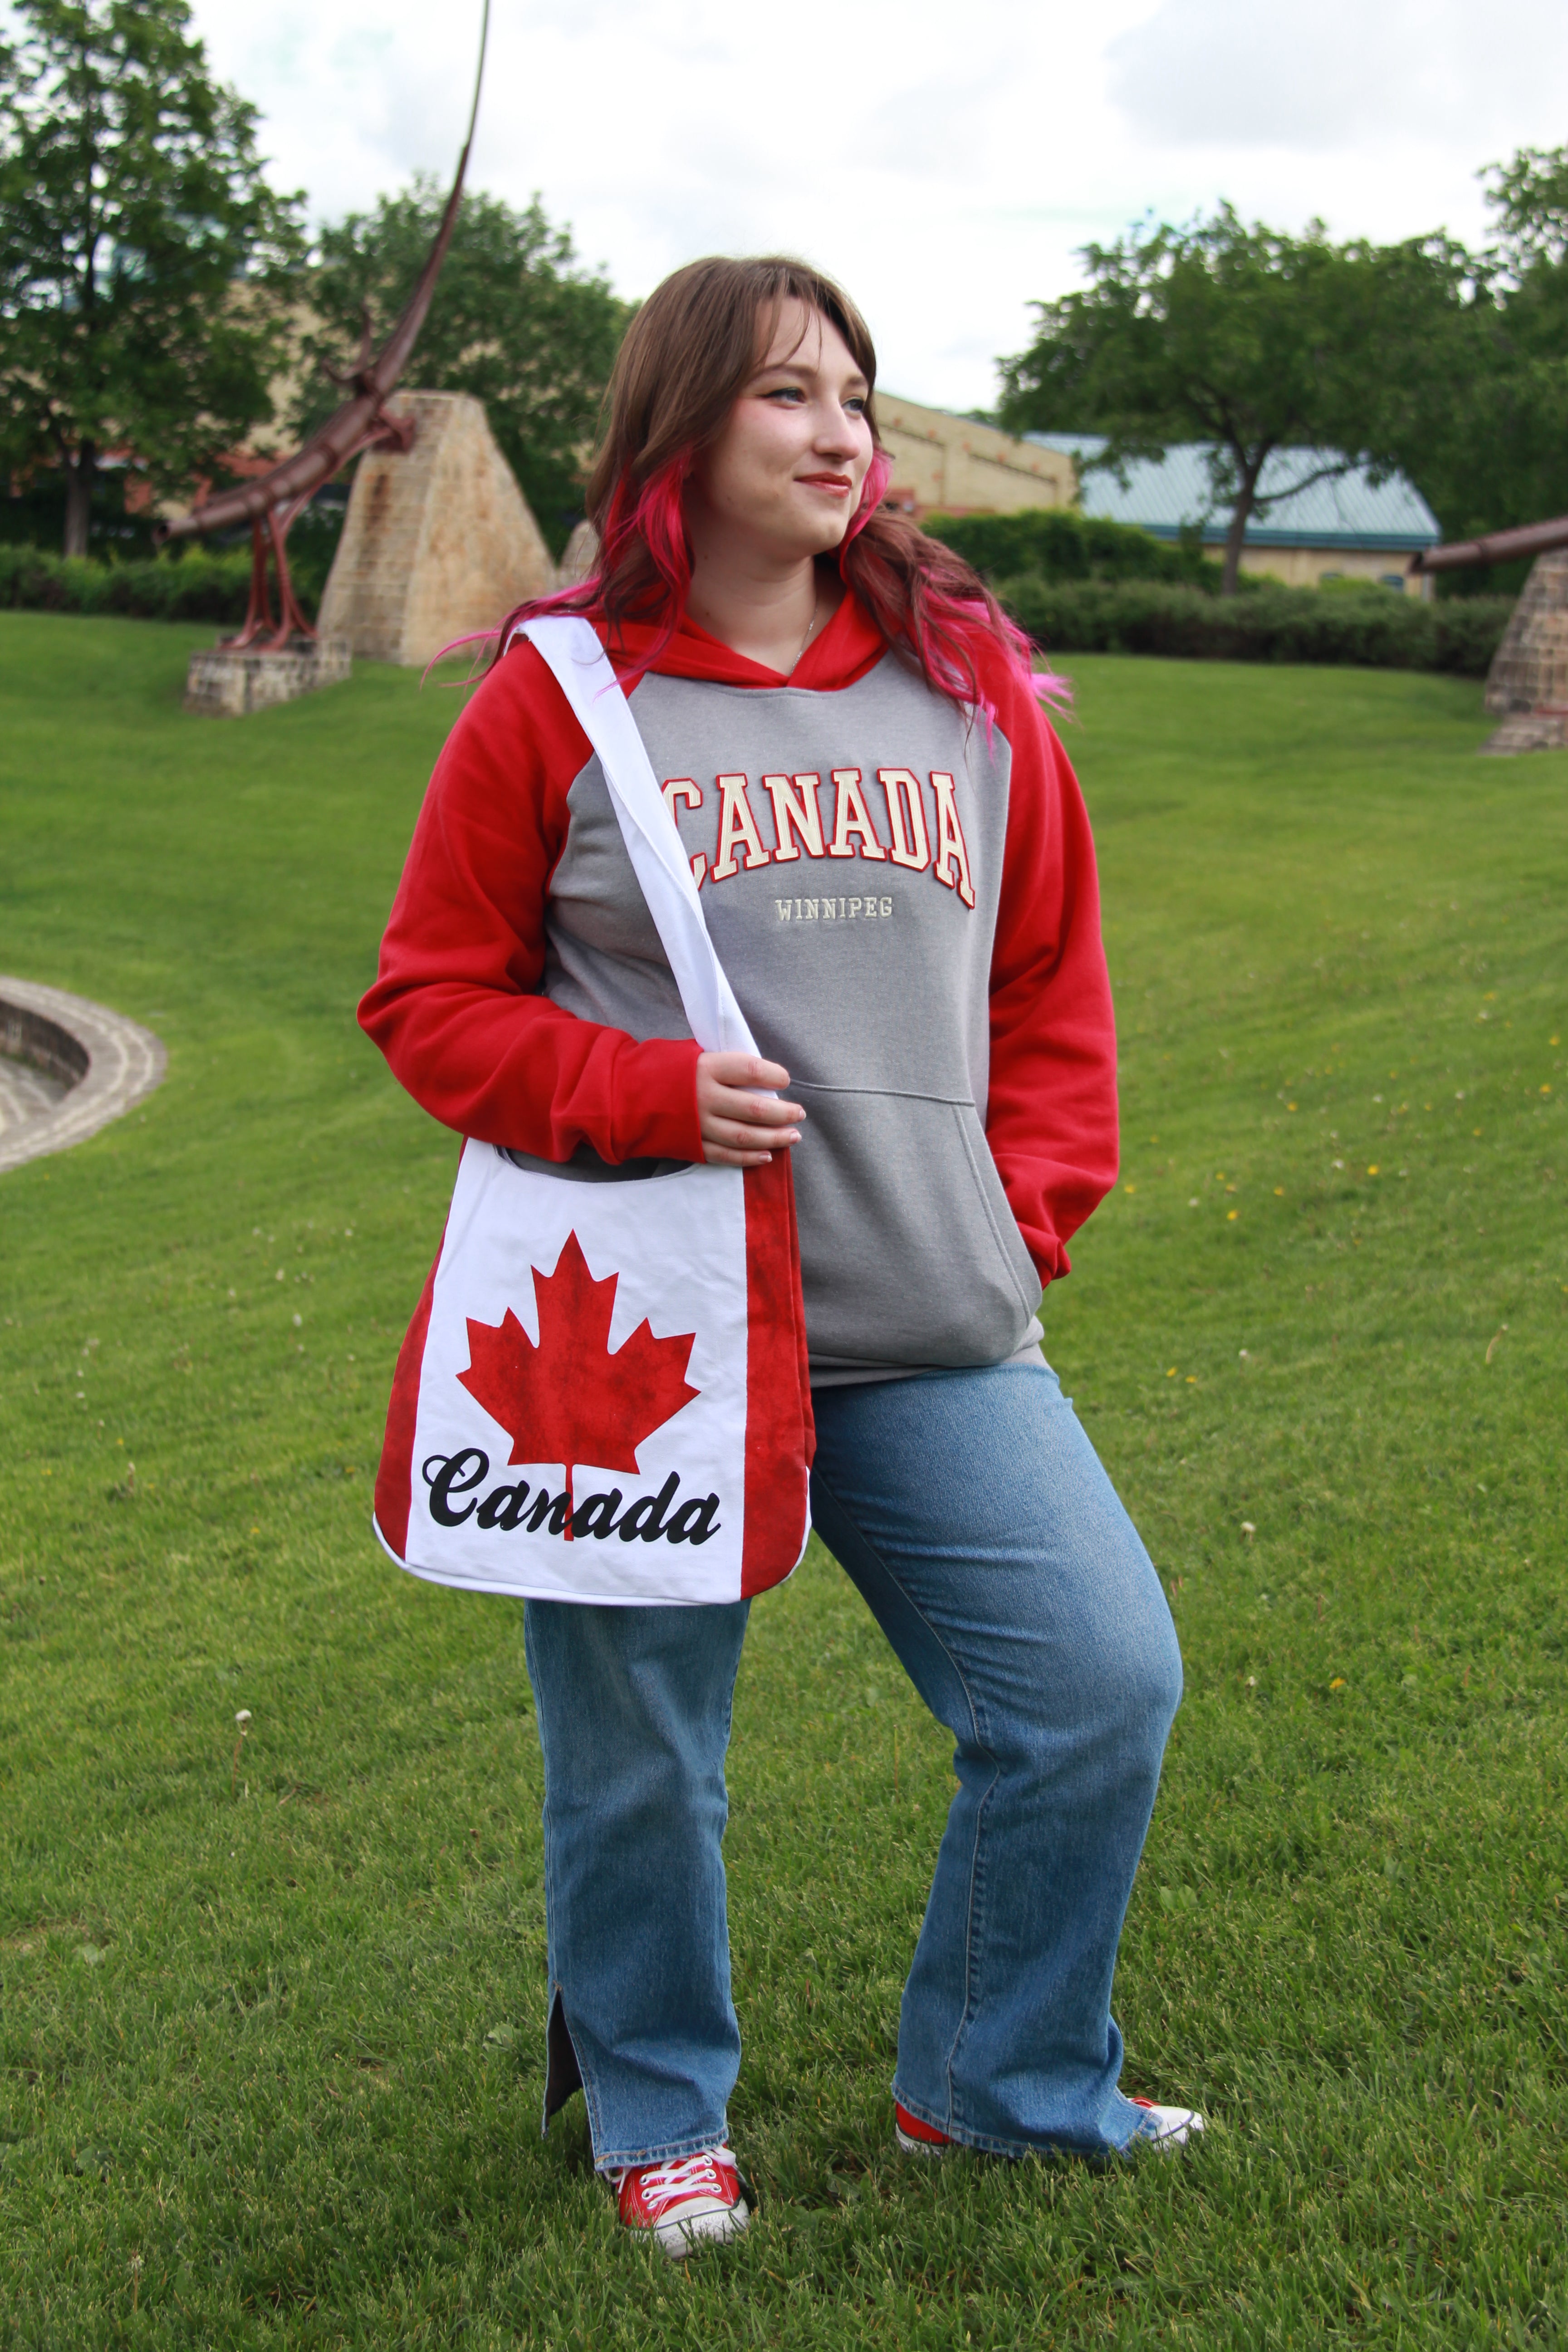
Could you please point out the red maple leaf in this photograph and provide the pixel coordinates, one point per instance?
(569, 1399)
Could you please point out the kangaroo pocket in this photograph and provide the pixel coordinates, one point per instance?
(910, 1253)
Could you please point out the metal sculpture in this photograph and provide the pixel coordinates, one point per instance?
(273, 501)
(1496, 547)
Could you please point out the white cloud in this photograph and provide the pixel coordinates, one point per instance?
(1246, 73)
(945, 163)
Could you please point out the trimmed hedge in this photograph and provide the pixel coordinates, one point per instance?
(1059, 543)
(1372, 630)
(192, 586)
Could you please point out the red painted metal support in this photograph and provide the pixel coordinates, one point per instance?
(273, 501)
(260, 632)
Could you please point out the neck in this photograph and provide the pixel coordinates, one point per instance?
(765, 609)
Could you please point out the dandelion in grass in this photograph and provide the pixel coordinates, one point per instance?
(1338, 1683)
(242, 1731)
(1248, 1530)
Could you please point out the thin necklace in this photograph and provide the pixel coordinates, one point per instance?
(810, 627)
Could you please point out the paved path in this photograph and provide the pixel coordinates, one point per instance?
(68, 1066)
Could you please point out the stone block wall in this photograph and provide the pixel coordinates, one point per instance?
(437, 543)
(229, 685)
(1529, 668)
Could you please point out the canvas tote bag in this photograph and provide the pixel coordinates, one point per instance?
(603, 1395)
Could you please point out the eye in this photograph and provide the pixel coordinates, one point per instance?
(790, 392)
(855, 403)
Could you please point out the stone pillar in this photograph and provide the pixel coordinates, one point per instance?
(581, 555)
(1527, 685)
(437, 544)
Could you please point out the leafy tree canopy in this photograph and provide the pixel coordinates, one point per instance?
(1530, 196)
(516, 321)
(1499, 454)
(1246, 338)
(141, 248)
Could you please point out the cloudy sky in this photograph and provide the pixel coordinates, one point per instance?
(945, 158)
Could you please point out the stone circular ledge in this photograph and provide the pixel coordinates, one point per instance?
(94, 1063)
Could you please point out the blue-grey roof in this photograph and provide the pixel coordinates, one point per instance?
(1164, 495)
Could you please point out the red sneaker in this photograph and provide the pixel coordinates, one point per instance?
(689, 2201)
(916, 2139)
(1167, 2126)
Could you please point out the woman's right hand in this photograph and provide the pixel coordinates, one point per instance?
(742, 1127)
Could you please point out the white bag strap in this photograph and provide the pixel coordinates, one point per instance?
(578, 661)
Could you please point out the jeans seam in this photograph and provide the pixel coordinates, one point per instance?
(556, 1984)
(973, 1928)
(981, 1743)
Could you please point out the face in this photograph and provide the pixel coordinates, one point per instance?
(785, 472)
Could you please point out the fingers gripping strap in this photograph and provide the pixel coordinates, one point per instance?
(582, 670)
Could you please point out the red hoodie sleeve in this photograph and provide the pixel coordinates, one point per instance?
(456, 1006)
(1051, 1121)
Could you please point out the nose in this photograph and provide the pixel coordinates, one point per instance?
(840, 435)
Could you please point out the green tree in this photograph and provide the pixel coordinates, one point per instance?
(515, 322)
(1500, 455)
(141, 249)
(1246, 338)
(1530, 196)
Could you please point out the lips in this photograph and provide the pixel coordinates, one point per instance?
(835, 482)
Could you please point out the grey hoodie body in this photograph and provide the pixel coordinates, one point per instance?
(849, 850)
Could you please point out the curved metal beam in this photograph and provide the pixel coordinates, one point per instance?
(1494, 547)
(343, 434)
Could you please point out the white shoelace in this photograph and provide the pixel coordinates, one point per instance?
(683, 2176)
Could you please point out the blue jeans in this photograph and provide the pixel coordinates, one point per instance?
(972, 1512)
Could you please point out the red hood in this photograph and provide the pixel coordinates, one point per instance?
(848, 647)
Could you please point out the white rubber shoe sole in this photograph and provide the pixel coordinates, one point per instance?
(700, 2224)
(1166, 2127)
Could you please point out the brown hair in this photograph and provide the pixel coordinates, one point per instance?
(687, 356)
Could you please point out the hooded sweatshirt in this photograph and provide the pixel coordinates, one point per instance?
(903, 896)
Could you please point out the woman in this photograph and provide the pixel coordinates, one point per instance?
(897, 876)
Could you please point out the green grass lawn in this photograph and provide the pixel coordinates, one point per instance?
(271, 2027)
